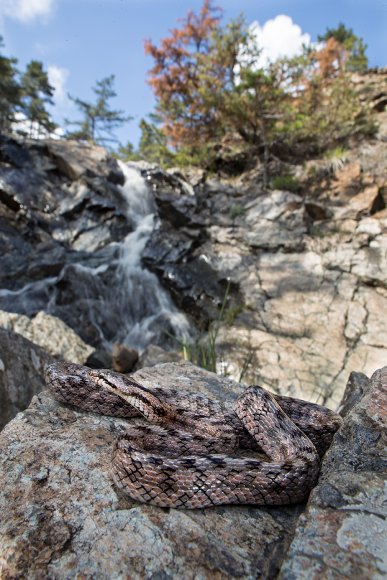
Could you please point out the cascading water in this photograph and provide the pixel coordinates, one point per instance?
(148, 306)
(106, 295)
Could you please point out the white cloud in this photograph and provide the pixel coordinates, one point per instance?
(26, 10)
(278, 37)
(57, 77)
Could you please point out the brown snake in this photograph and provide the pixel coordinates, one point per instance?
(187, 457)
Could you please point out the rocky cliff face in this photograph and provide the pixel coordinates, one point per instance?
(307, 272)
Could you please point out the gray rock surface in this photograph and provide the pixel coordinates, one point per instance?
(343, 532)
(50, 333)
(61, 517)
(307, 273)
(155, 355)
(21, 373)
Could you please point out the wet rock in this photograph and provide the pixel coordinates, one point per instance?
(166, 183)
(62, 516)
(124, 359)
(21, 374)
(12, 152)
(50, 333)
(344, 526)
(61, 217)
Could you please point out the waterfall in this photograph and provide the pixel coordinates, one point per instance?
(147, 306)
(107, 296)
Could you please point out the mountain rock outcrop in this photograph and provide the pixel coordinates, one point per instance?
(21, 373)
(61, 516)
(307, 270)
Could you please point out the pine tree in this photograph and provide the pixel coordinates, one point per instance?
(9, 91)
(37, 93)
(99, 120)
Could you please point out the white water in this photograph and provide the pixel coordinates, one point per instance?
(148, 304)
(117, 298)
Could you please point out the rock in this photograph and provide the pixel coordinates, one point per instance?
(276, 220)
(100, 359)
(366, 203)
(358, 385)
(194, 175)
(343, 532)
(21, 375)
(317, 211)
(155, 355)
(50, 333)
(74, 158)
(179, 211)
(307, 280)
(124, 359)
(62, 517)
(195, 285)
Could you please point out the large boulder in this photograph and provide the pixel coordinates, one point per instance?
(62, 516)
(307, 276)
(50, 333)
(344, 527)
(21, 373)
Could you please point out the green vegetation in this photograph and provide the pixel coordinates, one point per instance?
(208, 85)
(10, 91)
(336, 159)
(37, 93)
(153, 145)
(354, 49)
(286, 182)
(202, 351)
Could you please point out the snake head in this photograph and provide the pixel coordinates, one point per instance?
(137, 395)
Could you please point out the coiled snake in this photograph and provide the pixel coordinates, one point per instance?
(187, 456)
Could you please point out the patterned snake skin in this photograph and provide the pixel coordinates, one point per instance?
(193, 452)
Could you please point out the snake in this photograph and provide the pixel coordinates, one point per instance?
(190, 451)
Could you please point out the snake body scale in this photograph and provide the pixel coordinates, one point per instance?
(193, 452)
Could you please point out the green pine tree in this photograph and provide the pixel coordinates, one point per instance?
(37, 93)
(99, 120)
(9, 91)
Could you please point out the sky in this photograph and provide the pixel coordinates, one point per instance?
(82, 41)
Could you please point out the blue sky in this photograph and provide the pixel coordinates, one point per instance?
(81, 41)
